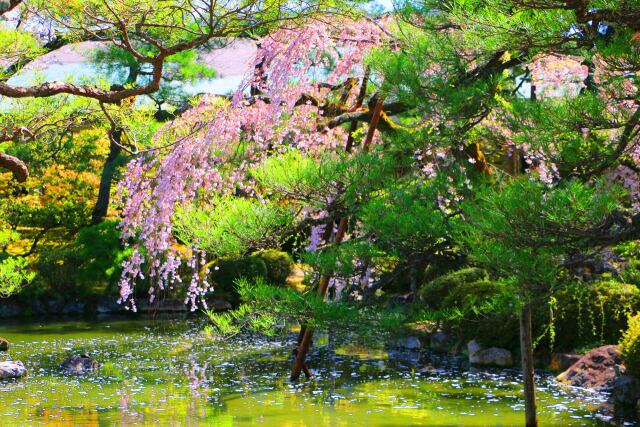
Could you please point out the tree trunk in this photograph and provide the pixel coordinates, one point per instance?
(526, 348)
(306, 334)
(106, 179)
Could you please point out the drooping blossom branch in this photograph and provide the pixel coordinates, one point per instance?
(296, 61)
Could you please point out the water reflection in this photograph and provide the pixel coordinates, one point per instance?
(168, 373)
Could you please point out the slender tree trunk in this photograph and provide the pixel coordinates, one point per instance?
(526, 348)
(305, 343)
(106, 178)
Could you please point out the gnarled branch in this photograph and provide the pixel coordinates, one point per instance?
(14, 165)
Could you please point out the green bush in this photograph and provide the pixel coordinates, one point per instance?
(56, 274)
(471, 295)
(13, 275)
(630, 346)
(101, 255)
(434, 293)
(279, 265)
(593, 313)
(229, 270)
(581, 314)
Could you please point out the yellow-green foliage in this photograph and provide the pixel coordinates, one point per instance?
(630, 346)
(470, 296)
(278, 263)
(450, 288)
(593, 313)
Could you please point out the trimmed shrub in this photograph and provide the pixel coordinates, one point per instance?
(434, 293)
(57, 274)
(279, 265)
(231, 269)
(101, 254)
(630, 346)
(466, 296)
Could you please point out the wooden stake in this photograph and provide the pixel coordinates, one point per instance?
(526, 348)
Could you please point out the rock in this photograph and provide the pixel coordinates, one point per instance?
(81, 364)
(626, 390)
(163, 306)
(110, 305)
(560, 362)
(440, 341)
(492, 356)
(220, 304)
(596, 369)
(55, 306)
(4, 344)
(9, 309)
(410, 343)
(9, 369)
(37, 307)
(74, 307)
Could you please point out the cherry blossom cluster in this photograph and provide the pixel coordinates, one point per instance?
(211, 147)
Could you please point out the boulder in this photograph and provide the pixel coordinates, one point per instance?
(596, 370)
(110, 305)
(560, 362)
(81, 364)
(163, 306)
(4, 344)
(626, 390)
(492, 356)
(410, 343)
(73, 307)
(12, 369)
(9, 309)
(55, 306)
(440, 341)
(220, 304)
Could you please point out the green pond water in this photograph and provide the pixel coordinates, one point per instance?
(166, 372)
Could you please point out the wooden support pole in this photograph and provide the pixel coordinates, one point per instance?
(526, 348)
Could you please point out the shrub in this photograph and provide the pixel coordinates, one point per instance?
(630, 346)
(593, 313)
(279, 265)
(467, 296)
(13, 275)
(101, 254)
(229, 270)
(57, 274)
(435, 292)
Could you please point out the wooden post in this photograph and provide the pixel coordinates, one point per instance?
(526, 348)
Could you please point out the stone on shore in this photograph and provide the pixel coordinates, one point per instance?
(492, 356)
(595, 370)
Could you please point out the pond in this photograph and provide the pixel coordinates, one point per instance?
(167, 372)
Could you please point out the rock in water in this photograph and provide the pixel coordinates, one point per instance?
(440, 341)
(492, 356)
(595, 370)
(82, 364)
(9, 369)
(626, 390)
(4, 344)
(410, 343)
